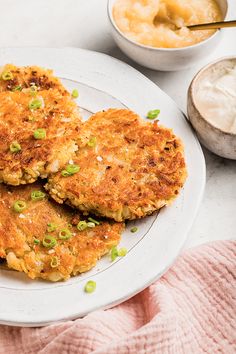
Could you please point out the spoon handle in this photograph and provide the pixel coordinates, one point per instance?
(213, 25)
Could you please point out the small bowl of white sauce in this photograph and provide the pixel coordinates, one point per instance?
(212, 106)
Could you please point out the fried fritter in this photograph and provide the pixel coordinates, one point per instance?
(14, 78)
(22, 234)
(24, 153)
(128, 167)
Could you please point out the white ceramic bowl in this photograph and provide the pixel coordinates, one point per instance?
(217, 140)
(165, 59)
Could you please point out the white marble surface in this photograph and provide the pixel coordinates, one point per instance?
(83, 23)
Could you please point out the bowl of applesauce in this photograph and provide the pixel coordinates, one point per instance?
(162, 46)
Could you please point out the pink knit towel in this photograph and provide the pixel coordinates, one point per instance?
(192, 309)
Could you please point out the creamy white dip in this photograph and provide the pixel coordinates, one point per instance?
(216, 99)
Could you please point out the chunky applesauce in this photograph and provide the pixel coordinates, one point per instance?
(135, 19)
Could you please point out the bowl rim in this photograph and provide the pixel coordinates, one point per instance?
(113, 23)
(191, 93)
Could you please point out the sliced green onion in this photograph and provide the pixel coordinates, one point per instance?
(54, 262)
(122, 252)
(19, 206)
(90, 224)
(70, 170)
(40, 133)
(70, 226)
(35, 104)
(15, 147)
(51, 227)
(37, 195)
(82, 225)
(114, 253)
(92, 141)
(94, 221)
(33, 92)
(64, 173)
(90, 286)
(65, 234)
(49, 241)
(17, 88)
(7, 75)
(153, 114)
(36, 241)
(75, 93)
(134, 229)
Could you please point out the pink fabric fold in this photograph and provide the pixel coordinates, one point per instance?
(191, 309)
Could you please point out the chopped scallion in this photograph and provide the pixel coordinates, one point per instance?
(90, 286)
(65, 234)
(19, 206)
(92, 141)
(7, 75)
(153, 114)
(40, 133)
(49, 241)
(75, 93)
(35, 104)
(51, 227)
(37, 195)
(94, 221)
(15, 147)
(54, 262)
(82, 225)
(114, 253)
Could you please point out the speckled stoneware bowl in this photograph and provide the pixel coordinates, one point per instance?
(217, 140)
(165, 59)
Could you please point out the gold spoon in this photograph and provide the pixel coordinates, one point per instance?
(203, 26)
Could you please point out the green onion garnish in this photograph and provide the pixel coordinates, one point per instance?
(54, 262)
(122, 252)
(15, 147)
(17, 88)
(40, 133)
(37, 195)
(91, 224)
(75, 93)
(19, 206)
(33, 92)
(134, 229)
(92, 141)
(35, 104)
(70, 170)
(7, 75)
(36, 241)
(82, 225)
(90, 286)
(51, 227)
(153, 114)
(114, 253)
(65, 234)
(94, 221)
(64, 173)
(49, 241)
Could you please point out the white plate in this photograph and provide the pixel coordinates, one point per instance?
(106, 82)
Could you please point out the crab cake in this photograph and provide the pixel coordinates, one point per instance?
(14, 78)
(128, 167)
(37, 134)
(46, 240)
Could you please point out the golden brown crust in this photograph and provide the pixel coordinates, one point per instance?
(19, 230)
(135, 168)
(25, 76)
(60, 119)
